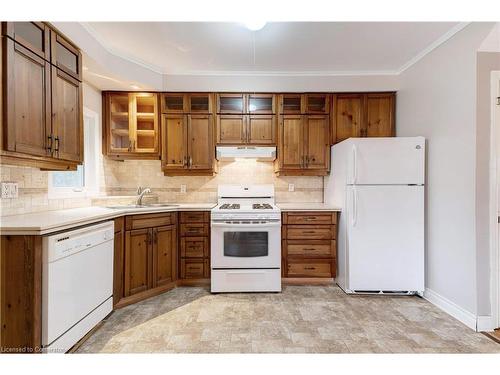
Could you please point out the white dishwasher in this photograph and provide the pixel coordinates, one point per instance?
(77, 284)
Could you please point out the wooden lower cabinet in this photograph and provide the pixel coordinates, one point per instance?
(149, 262)
(21, 294)
(194, 234)
(309, 246)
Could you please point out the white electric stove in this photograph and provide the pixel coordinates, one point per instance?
(246, 240)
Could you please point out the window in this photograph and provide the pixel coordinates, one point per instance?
(83, 182)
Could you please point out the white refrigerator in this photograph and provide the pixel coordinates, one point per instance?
(379, 185)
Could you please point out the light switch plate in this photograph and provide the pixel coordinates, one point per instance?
(10, 190)
(291, 187)
(183, 188)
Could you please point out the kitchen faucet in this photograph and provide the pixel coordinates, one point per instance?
(140, 194)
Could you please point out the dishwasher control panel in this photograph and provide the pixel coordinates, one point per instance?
(71, 242)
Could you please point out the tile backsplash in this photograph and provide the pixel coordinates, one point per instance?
(122, 179)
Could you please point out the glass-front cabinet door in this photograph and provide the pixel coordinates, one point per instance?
(119, 123)
(261, 103)
(230, 103)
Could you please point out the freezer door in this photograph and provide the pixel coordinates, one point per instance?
(386, 161)
(385, 238)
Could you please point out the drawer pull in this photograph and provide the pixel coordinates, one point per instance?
(310, 268)
(309, 249)
(309, 231)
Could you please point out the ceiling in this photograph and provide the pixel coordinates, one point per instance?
(287, 47)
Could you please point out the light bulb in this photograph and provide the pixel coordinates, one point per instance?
(255, 25)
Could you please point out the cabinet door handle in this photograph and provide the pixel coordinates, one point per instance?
(56, 147)
(155, 236)
(51, 140)
(190, 161)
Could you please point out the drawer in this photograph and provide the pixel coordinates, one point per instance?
(194, 229)
(312, 248)
(194, 247)
(194, 269)
(194, 217)
(310, 232)
(311, 268)
(304, 218)
(150, 220)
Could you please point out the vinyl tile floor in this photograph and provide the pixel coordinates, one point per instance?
(301, 319)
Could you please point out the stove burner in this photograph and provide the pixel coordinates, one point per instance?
(264, 206)
(227, 206)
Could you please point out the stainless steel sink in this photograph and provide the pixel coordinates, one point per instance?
(149, 205)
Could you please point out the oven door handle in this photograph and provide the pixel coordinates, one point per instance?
(231, 225)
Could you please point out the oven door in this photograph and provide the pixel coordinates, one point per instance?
(246, 245)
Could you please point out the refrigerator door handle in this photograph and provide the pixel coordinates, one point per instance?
(354, 164)
(354, 207)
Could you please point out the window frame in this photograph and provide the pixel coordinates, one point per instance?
(92, 141)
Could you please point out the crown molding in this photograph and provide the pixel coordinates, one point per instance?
(450, 33)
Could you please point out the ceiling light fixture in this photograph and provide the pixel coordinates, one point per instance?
(254, 25)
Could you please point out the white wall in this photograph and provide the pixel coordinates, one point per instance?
(437, 99)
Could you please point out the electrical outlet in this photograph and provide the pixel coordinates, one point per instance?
(10, 190)
(183, 188)
(291, 187)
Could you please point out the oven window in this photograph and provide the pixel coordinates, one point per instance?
(246, 244)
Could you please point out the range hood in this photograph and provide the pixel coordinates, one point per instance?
(264, 153)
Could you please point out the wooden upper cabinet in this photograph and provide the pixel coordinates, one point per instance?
(199, 102)
(27, 99)
(200, 144)
(317, 103)
(117, 120)
(317, 142)
(174, 103)
(34, 36)
(363, 115)
(380, 115)
(67, 119)
(131, 125)
(145, 129)
(231, 129)
(291, 155)
(304, 147)
(348, 116)
(261, 103)
(174, 140)
(42, 111)
(66, 56)
(164, 255)
(231, 103)
(188, 146)
(291, 104)
(261, 129)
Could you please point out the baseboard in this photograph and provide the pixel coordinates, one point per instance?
(451, 308)
(307, 281)
(485, 323)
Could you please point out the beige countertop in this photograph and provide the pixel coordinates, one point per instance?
(306, 207)
(40, 223)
